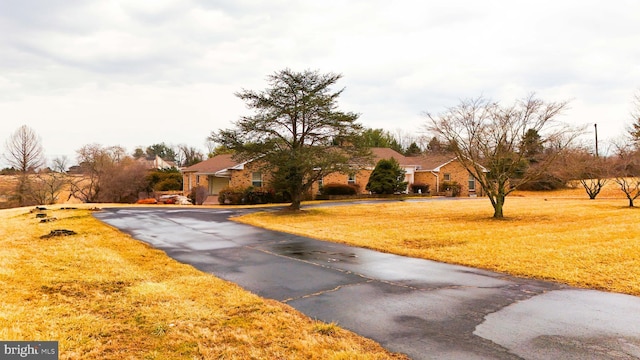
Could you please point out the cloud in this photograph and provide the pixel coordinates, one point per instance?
(131, 69)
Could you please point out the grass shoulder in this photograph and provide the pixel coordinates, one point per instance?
(104, 295)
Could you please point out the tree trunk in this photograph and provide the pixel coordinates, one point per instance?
(295, 205)
(296, 196)
(498, 204)
(630, 202)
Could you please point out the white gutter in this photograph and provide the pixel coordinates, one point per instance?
(224, 173)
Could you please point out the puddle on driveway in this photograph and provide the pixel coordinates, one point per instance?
(303, 251)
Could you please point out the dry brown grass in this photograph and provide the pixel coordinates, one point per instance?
(611, 190)
(587, 243)
(104, 295)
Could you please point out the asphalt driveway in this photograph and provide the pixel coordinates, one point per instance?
(425, 309)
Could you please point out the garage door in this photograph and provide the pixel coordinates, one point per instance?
(216, 184)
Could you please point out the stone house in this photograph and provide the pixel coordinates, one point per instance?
(434, 170)
(219, 172)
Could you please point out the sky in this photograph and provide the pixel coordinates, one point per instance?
(137, 72)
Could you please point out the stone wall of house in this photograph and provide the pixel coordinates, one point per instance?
(456, 172)
(191, 180)
(240, 178)
(362, 177)
(426, 178)
(460, 175)
(244, 178)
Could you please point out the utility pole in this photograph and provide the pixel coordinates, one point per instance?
(596, 128)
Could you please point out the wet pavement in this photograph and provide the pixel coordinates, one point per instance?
(425, 309)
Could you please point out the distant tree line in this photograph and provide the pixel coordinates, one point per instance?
(102, 173)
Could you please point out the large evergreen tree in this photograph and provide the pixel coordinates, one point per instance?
(380, 138)
(387, 178)
(296, 132)
(162, 150)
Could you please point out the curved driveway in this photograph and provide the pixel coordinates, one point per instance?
(425, 309)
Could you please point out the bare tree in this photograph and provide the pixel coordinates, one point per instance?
(627, 172)
(211, 146)
(592, 172)
(108, 175)
(123, 181)
(24, 150)
(488, 140)
(95, 162)
(405, 138)
(188, 155)
(46, 186)
(595, 178)
(25, 154)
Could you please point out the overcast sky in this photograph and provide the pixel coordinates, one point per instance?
(135, 73)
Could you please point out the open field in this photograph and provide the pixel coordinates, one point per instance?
(103, 295)
(560, 236)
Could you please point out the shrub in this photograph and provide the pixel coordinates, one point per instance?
(198, 195)
(419, 188)
(338, 189)
(452, 188)
(168, 185)
(258, 196)
(165, 179)
(231, 196)
(248, 196)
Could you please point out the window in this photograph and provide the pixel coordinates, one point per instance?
(472, 183)
(447, 177)
(197, 179)
(256, 179)
(352, 179)
(320, 183)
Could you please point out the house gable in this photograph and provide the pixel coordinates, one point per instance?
(210, 174)
(442, 169)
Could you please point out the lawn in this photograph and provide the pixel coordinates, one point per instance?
(557, 236)
(103, 295)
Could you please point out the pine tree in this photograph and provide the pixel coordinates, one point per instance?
(387, 178)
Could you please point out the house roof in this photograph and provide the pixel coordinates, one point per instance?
(213, 165)
(424, 162)
(432, 162)
(387, 153)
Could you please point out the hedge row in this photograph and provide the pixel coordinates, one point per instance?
(251, 196)
(339, 189)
